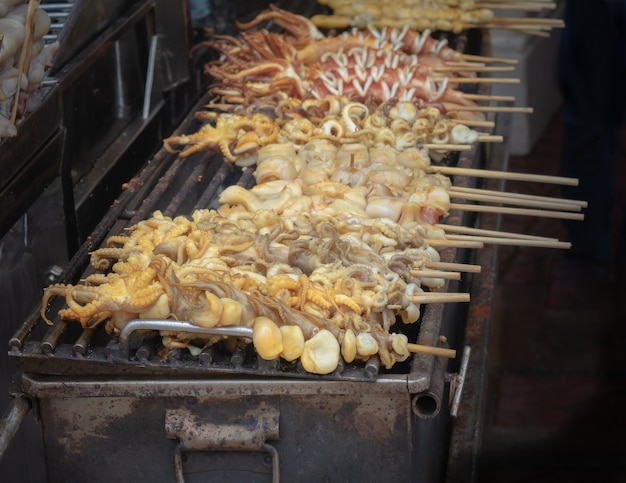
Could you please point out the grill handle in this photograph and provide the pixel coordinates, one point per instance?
(460, 382)
(250, 432)
(12, 420)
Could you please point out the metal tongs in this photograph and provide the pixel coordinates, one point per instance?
(180, 326)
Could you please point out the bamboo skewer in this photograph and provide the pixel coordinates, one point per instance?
(472, 123)
(486, 138)
(517, 211)
(521, 196)
(500, 68)
(513, 241)
(449, 147)
(436, 274)
(479, 80)
(485, 173)
(507, 200)
(435, 351)
(438, 243)
(511, 109)
(521, 6)
(516, 1)
(468, 230)
(485, 97)
(522, 27)
(550, 22)
(463, 63)
(480, 58)
(461, 267)
(518, 7)
(504, 2)
(439, 297)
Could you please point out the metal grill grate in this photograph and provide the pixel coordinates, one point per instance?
(175, 186)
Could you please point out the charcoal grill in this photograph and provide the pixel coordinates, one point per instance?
(113, 408)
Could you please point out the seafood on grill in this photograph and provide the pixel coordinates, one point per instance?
(330, 249)
(424, 200)
(305, 44)
(302, 63)
(400, 125)
(417, 14)
(18, 88)
(346, 181)
(360, 73)
(118, 298)
(233, 135)
(350, 278)
(441, 15)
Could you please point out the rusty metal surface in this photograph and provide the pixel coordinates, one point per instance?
(330, 426)
(311, 440)
(467, 427)
(43, 386)
(11, 421)
(247, 431)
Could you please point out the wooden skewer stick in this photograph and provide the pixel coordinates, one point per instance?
(480, 80)
(521, 196)
(485, 173)
(501, 26)
(486, 97)
(434, 351)
(511, 109)
(480, 58)
(551, 22)
(438, 243)
(519, 242)
(523, 27)
(517, 211)
(472, 123)
(486, 138)
(436, 274)
(461, 267)
(499, 68)
(526, 26)
(462, 63)
(439, 297)
(507, 200)
(517, 7)
(470, 230)
(448, 147)
(539, 31)
(520, 6)
(490, 2)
